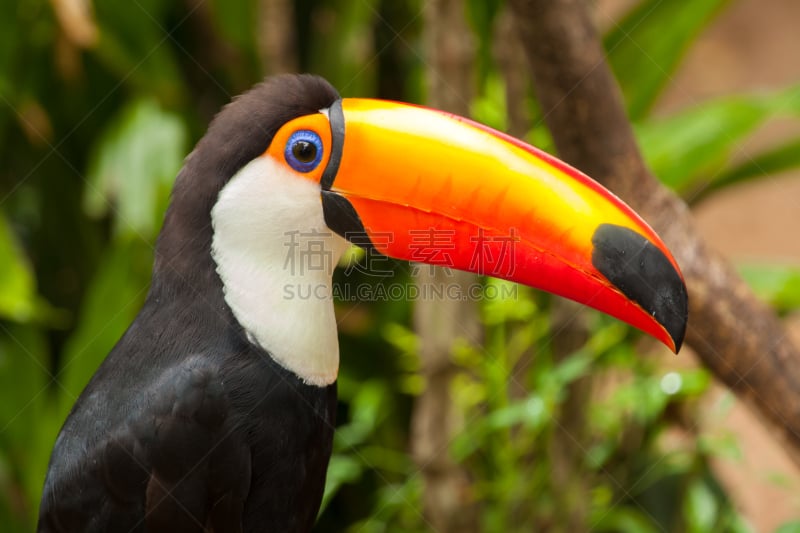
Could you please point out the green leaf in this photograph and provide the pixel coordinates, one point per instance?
(695, 145)
(573, 367)
(530, 412)
(341, 469)
(137, 46)
(622, 519)
(725, 445)
(735, 523)
(490, 107)
(386, 459)
(27, 426)
(481, 15)
(700, 507)
(17, 285)
(133, 166)
(778, 285)
(694, 382)
(645, 48)
(367, 408)
(773, 161)
(789, 527)
(110, 305)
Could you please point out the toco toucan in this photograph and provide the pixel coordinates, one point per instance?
(215, 410)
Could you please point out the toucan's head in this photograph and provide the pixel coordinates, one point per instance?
(290, 167)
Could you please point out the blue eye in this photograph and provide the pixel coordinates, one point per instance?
(303, 152)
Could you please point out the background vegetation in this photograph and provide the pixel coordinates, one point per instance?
(100, 102)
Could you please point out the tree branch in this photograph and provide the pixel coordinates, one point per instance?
(737, 337)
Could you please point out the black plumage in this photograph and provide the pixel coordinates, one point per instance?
(188, 426)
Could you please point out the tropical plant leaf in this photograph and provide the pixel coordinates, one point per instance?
(481, 15)
(17, 285)
(773, 161)
(778, 285)
(490, 107)
(341, 469)
(692, 148)
(790, 527)
(24, 380)
(135, 44)
(112, 301)
(626, 520)
(700, 507)
(645, 48)
(133, 166)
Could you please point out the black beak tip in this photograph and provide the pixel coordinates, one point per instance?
(643, 273)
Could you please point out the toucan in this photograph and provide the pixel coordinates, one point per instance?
(215, 410)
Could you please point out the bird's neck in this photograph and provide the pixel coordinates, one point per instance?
(275, 257)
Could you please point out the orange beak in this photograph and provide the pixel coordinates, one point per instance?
(428, 186)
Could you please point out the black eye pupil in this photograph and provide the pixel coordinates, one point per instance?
(304, 151)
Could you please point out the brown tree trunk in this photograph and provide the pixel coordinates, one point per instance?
(277, 44)
(508, 53)
(737, 337)
(449, 506)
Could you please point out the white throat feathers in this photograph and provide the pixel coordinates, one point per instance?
(275, 256)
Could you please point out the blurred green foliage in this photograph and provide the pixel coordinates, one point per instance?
(96, 114)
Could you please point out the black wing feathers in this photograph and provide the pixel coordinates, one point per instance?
(197, 460)
(176, 465)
